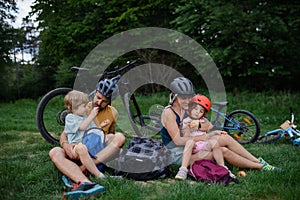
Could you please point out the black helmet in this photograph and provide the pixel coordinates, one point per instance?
(182, 87)
(108, 88)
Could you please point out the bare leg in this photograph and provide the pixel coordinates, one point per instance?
(213, 145)
(66, 166)
(115, 143)
(87, 161)
(201, 155)
(234, 146)
(238, 160)
(187, 153)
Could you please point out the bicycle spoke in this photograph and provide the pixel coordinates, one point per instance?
(242, 126)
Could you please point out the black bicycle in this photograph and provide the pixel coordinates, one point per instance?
(51, 112)
(50, 115)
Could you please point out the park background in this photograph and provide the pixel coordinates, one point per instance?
(255, 45)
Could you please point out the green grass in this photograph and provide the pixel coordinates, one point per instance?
(26, 171)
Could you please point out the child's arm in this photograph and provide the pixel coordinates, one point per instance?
(89, 119)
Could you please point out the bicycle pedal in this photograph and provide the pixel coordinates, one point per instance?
(237, 136)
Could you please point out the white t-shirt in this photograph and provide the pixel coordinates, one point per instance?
(72, 125)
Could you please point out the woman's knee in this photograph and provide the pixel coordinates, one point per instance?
(225, 140)
(226, 152)
(213, 144)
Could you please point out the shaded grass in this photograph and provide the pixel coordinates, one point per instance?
(26, 171)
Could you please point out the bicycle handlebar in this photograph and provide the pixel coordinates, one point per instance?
(108, 73)
(118, 71)
(292, 115)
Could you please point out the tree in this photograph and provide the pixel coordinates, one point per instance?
(246, 39)
(6, 45)
(71, 29)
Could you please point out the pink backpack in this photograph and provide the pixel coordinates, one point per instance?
(208, 171)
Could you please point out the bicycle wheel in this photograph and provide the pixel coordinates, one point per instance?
(143, 125)
(271, 136)
(242, 126)
(51, 113)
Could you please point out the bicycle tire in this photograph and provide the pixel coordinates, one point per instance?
(249, 128)
(270, 137)
(50, 114)
(151, 122)
(150, 125)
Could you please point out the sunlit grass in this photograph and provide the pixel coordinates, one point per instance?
(26, 171)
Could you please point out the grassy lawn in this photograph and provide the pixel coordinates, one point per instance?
(26, 171)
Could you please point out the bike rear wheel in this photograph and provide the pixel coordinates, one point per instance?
(242, 126)
(51, 113)
(143, 125)
(270, 137)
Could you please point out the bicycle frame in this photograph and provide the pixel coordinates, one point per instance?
(218, 125)
(287, 129)
(242, 125)
(290, 131)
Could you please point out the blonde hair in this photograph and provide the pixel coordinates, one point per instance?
(74, 99)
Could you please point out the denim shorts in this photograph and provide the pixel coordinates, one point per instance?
(176, 155)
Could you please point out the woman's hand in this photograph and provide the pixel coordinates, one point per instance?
(201, 137)
(217, 132)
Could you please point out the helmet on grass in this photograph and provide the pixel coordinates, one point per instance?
(202, 100)
(108, 88)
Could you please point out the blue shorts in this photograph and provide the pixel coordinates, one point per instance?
(176, 155)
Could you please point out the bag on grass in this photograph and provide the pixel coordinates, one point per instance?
(208, 171)
(94, 139)
(144, 159)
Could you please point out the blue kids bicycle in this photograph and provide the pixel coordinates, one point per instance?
(242, 125)
(288, 130)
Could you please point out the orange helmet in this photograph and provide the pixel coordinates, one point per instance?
(202, 100)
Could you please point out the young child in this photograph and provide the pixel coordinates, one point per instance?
(196, 124)
(76, 123)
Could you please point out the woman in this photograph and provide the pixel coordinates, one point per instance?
(182, 90)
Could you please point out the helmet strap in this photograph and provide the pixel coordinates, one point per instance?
(172, 98)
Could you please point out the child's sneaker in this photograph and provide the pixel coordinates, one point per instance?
(261, 160)
(182, 173)
(268, 167)
(84, 189)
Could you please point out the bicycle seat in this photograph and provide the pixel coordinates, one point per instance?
(222, 103)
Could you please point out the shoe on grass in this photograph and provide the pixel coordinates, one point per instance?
(84, 189)
(182, 173)
(67, 181)
(261, 160)
(267, 167)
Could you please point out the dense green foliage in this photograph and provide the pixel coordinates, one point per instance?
(246, 39)
(26, 171)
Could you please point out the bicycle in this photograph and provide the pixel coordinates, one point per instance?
(51, 112)
(242, 125)
(288, 130)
